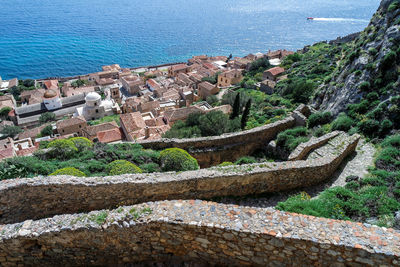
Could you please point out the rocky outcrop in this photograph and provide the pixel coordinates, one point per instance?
(362, 62)
(197, 233)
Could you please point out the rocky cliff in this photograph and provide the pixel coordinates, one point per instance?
(370, 63)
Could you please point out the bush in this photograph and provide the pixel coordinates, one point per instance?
(150, 167)
(10, 130)
(62, 149)
(291, 138)
(118, 167)
(245, 160)
(388, 60)
(68, 171)
(365, 86)
(46, 131)
(212, 100)
(46, 117)
(4, 112)
(176, 159)
(226, 163)
(369, 127)
(393, 6)
(342, 123)
(319, 118)
(82, 143)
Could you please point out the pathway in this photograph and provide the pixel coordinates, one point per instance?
(357, 164)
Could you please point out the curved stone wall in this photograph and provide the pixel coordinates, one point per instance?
(213, 150)
(204, 233)
(22, 199)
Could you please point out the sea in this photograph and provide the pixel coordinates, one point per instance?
(58, 38)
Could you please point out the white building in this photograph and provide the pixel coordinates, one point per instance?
(52, 100)
(95, 108)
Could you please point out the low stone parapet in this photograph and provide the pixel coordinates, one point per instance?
(34, 198)
(303, 149)
(198, 232)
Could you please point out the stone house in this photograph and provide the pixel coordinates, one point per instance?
(72, 125)
(132, 83)
(90, 132)
(131, 124)
(116, 94)
(173, 71)
(206, 89)
(267, 86)
(273, 73)
(7, 101)
(110, 136)
(229, 78)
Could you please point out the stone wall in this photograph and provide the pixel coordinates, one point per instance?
(34, 198)
(197, 232)
(213, 150)
(303, 149)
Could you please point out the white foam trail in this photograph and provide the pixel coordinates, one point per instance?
(341, 19)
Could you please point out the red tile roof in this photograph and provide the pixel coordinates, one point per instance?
(7, 153)
(109, 136)
(132, 121)
(276, 71)
(51, 84)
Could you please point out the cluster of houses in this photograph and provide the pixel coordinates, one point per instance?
(143, 103)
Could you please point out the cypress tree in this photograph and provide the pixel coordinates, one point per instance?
(245, 115)
(236, 107)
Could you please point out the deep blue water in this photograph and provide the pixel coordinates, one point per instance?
(42, 38)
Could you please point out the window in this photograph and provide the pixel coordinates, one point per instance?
(63, 131)
(95, 103)
(80, 126)
(97, 111)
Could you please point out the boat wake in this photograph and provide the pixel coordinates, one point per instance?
(340, 19)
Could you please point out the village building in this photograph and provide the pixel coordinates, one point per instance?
(173, 71)
(267, 86)
(90, 132)
(33, 132)
(273, 73)
(279, 54)
(5, 85)
(95, 107)
(32, 96)
(206, 89)
(71, 125)
(7, 101)
(116, 94)
(229, 78)
(131, 125)
(153, 85)
(68, 90)
(51, 84)
(28, 115)
(132, 84)
(111, 136)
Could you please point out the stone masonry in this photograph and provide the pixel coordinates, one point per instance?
(35, 198)
(198, 232)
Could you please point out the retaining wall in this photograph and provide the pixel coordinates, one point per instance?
(34, 198)
(197, 232)
(213, 150)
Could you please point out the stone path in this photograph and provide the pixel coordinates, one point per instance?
(356, 164)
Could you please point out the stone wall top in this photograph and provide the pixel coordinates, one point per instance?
(303, 149)
(196, 228)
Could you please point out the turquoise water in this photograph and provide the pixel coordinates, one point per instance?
(42, 38)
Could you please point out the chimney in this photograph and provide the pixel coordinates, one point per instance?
(147, 132)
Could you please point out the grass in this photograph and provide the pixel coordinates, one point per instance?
(109, 118)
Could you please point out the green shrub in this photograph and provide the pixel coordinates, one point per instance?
(369, 127)
(62, 149)
(372, 51)
(245, 160)
(118, 167)
(176, 159)
(365, 86)
(393, 6)
(46, 117)
(150, 167)
(82, 143)
(319, 118)
(291, 138)
(388, 60)
(226, 163)
(68, 171)
(46, 131)
(342, 123)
